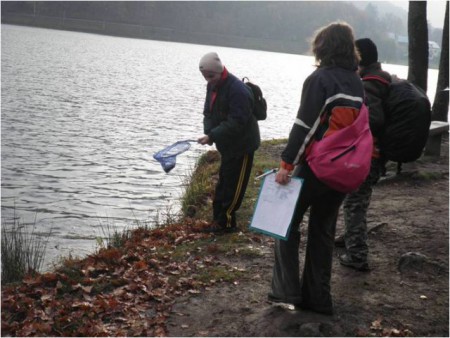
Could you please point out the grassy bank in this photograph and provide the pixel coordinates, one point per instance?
(22, 249)
(197, 199)
(134, 289)
(128, 290)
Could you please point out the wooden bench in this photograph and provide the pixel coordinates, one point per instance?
(437, 129)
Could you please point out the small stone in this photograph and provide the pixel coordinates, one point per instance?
(411, 261)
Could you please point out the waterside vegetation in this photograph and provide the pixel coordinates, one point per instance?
(144, 286)
(134, 275)
(22, 249)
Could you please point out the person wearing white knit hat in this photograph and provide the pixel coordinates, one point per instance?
(211, 67)
(211, 62)
(229, 123)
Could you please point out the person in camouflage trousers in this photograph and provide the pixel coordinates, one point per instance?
(357, 203)
(355, 211)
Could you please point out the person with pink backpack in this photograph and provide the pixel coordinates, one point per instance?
(332, 99)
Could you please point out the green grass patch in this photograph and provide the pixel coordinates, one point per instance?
(197, 198)
(200, 185)
(22, 249)
(219, 274)
(429, 175)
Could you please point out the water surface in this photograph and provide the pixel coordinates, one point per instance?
(82, 115)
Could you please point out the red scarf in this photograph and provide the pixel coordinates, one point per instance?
(217, 87)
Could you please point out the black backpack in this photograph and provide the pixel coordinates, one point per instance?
(407, 121)
(260, 105)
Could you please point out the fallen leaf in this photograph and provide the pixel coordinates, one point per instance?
(87, 298)
(82, 305)
(141, 265)
(361, 333)
(87, 289)
(29, 280)
(46, 297)
(49, 277)
(376, 325)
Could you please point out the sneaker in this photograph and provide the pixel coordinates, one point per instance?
(347, 261)
(274, 299)
(339, 241)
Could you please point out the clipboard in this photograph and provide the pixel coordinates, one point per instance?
(275, 206)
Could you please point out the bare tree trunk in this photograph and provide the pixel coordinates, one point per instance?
(441, 100)
(418, 43)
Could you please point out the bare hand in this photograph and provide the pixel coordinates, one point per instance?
(204, 140)
(282, 176)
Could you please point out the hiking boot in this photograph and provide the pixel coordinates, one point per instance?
(339, 241)
(357, 265)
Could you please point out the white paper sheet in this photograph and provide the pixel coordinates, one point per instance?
(275, 206)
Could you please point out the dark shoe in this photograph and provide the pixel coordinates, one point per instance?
(339, 241)
(213, 228)
(216, 228)
(357, 265)
(307, 307)
(231, 229)
(274, 299)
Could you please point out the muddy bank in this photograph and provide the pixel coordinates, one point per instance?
(404, 294)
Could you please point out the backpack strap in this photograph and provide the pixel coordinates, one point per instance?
(376, 78)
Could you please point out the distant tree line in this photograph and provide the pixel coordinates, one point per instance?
(282, 26)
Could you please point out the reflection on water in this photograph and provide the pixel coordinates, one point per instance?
(82, 115)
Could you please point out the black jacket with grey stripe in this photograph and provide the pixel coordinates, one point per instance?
(331, 99)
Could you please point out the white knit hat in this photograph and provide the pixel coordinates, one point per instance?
(211, 62)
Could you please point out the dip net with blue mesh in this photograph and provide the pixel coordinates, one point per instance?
(167, 157)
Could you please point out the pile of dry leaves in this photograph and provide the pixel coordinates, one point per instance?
(116, 292)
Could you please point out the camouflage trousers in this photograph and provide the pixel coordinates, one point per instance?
(355, 215)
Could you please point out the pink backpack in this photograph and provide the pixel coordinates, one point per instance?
(342, 160)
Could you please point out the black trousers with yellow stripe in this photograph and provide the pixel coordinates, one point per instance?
(234, 174)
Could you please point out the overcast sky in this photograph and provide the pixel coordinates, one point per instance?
(435, 11)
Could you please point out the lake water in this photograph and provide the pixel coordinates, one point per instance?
(82, 114)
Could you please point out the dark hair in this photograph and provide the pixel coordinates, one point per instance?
(334, 45)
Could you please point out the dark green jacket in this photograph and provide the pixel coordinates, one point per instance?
(228, 118)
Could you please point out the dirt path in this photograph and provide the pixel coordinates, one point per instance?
(408, 214)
